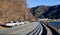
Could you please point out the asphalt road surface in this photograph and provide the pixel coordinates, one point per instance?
(19, 30)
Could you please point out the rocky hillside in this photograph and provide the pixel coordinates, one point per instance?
(52, 12)
(37, 11)
(13, 10)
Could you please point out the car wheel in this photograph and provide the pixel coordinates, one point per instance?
(15, 24)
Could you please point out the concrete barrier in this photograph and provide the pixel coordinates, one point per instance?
(57, 30)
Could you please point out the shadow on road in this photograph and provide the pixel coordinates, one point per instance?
(5, 26)
(44, 30)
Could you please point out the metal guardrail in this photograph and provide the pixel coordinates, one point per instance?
(52, 27)
(57, 28)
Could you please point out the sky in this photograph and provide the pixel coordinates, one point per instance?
(34, 3)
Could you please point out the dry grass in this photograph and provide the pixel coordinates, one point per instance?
(13, 10)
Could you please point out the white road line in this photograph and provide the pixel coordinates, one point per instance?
(41, 29)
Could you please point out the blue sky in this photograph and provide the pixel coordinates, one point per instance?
(33, 3)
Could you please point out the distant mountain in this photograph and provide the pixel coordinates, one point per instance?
(52, 12)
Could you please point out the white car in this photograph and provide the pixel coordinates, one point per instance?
(19, 22)
(14, 23)
(26, 22)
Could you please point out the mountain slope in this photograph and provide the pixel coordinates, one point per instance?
(37, 11)
(52, 12)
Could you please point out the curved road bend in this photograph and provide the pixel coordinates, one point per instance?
(54, 32)
(48, 30)
(19, 30)
(37, 31)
